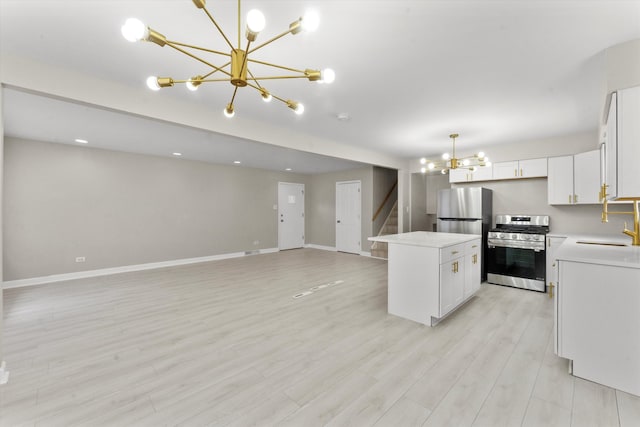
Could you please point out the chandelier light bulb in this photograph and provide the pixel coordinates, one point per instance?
(134, 30)
(481, 155)
(229, 112)
(488, 164)
(266, 96)
(466, 162)
(423, 170)
(445, 156)
(310, 21)
(443, 171)
(431, 166)
(328, 76)
(299, 109)
(192, 86)
(152, 83)
(423, 161)
(255, 21)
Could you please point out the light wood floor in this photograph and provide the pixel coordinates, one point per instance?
(225, 343)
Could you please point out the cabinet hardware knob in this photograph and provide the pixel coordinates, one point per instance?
(551, 286)
(454, 252)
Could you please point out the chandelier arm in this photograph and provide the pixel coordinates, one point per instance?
(258, 86)
(215, 70)
(284, 101)
(239, 24)
(271, 40)
(197, 58)
(277, 66)
(198, 48)
(233, 97)
(218, 27)
(276, 77)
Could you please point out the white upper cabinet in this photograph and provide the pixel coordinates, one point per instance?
(622, 146)
(484, 173)
(574, 180)
(560, 181)
(586, 177)
(531, 168)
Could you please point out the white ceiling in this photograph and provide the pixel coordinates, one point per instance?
(408, 72)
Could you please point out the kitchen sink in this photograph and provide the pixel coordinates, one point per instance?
(583, 242)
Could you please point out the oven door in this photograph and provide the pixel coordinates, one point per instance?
(517, 267)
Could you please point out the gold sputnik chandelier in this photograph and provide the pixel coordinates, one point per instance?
(236, 69)
(450, 161)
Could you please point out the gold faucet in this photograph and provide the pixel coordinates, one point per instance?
(635, 234)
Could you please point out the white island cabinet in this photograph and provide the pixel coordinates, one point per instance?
(597, 302)
(431, 274)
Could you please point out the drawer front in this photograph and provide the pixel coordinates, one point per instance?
(451, 252)
(472, 246)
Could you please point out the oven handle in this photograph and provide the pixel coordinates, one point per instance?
(522, 245)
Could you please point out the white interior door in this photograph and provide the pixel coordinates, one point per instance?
(348, 220)
(290, 215)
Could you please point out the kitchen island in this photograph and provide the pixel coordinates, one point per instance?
(431, 274)
(597, 310)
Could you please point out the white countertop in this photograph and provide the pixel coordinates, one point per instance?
(623, 256)
(426, 238)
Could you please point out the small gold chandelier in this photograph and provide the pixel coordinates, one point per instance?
(449, 162)
(236, 69)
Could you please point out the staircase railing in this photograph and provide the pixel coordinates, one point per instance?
(384, 202)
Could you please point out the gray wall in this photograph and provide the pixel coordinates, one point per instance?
(383, 180)
(529, 196)
(321, 206)
(119, 209)
(419, 220)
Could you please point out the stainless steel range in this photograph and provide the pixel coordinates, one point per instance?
(516, 251)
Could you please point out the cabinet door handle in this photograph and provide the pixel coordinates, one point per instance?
(474, 246)
(569, 198)
(551, 286)
(454, 266)
(521, 172)
(515, 172)
(475, 258)
(454, 252)
(575, 198)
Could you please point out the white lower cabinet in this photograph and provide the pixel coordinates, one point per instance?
(426, 284)
(598, 323)
(472, 268)
(553, 243)
(452, 284)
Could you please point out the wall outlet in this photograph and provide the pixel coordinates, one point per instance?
(80, 259)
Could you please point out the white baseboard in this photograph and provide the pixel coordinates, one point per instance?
(125, 269)
(322, 248)
(364, 253)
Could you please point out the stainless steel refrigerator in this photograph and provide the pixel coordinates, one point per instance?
(466, 210)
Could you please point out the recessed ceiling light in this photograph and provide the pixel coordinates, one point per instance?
(288, 169)
(82, 141)
(177, 154)
(237, 162)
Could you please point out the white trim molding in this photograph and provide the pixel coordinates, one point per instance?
(125, 269)
(322, 248)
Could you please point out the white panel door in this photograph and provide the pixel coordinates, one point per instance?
(290, 215)
(348, 216)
